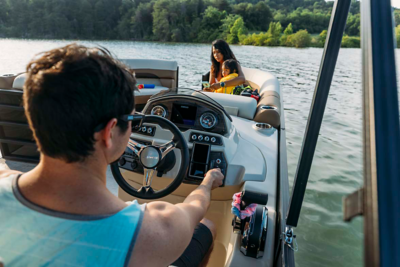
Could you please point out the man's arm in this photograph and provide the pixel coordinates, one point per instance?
(167, 229)
(212, 76)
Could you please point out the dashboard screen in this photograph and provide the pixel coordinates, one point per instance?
(184, 114)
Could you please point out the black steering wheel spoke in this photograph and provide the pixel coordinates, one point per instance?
(166, 148)
(150, 156)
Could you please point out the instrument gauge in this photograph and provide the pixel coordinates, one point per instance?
(159, 111)
(208, 120)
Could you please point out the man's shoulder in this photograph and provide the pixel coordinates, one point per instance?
(8, 173)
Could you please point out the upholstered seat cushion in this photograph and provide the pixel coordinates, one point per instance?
(150, 91)
(235, 105)
(19, 81)
(154, 64)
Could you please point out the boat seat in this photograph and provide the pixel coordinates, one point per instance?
(269, 104)
(16, 138)
(161, 73)
(19, 81)
(158, 72)
(267, 110)
(236, 105)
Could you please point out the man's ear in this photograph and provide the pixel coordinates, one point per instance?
(107, 133)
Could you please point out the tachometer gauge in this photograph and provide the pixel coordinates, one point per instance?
(159, 111)
(208, 120)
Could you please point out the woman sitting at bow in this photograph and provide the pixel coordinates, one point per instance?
(219, 53)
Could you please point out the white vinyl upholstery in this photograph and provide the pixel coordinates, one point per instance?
(154, 64)
(264, 80)
(150, 91)
(236, 105)
(19, 81)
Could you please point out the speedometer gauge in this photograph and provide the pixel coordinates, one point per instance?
(159, 111)
(208, 120)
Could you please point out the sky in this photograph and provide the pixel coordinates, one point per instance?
(395, 3)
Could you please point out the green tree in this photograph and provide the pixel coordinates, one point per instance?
(161, 24)
(322, 38)
(86, 20)
(222, 5)
(397, 32)
(3, 18)
(238, 29)
(351, 41)
(227, 24)
(273, 34)
(288, 30)
(353, 25)
(301, 39)
(211, 25)
(396, 14)
(127, 12)
(142, 22)
(286, 33)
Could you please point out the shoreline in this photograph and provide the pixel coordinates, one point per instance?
(156, 42)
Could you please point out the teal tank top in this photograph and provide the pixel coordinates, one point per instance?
(31, 235)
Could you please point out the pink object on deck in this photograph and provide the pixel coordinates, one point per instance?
(247, 212)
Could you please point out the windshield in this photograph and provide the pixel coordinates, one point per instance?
(191, 93)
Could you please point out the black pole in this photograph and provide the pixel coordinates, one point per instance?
(381, 136)
(332, 45)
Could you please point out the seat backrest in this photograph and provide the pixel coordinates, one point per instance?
(269, 104)
(16, 138)
(235, 105)
(158, 72)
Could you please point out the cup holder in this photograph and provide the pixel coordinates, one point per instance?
(268, 107)
(263, 126)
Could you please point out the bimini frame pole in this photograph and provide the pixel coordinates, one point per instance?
(332, 45)
(381, 191)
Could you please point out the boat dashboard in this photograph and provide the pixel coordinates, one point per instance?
(212, 140)
(189, 114)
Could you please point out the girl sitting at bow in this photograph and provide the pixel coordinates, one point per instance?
(229, 72)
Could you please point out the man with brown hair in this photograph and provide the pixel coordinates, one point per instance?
(61, 212)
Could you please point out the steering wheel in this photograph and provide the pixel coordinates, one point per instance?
(150, 157)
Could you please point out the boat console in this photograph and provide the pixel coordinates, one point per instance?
(212, 140)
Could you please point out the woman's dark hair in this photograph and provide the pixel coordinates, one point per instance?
(232, 65)
(226, 52)
(71, 90)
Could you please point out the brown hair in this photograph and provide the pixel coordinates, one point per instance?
(68, 92)
(232, 65)
(226, 52)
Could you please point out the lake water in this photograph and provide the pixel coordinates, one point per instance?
(323, 238)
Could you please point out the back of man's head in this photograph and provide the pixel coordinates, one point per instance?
(71, 90)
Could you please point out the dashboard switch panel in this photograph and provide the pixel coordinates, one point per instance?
(145, 130)
(205, 139)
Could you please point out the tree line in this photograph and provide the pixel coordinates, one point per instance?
(296, 23)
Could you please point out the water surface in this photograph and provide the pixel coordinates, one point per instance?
(323, 238)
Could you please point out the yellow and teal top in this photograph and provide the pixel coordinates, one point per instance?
(227, 90)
